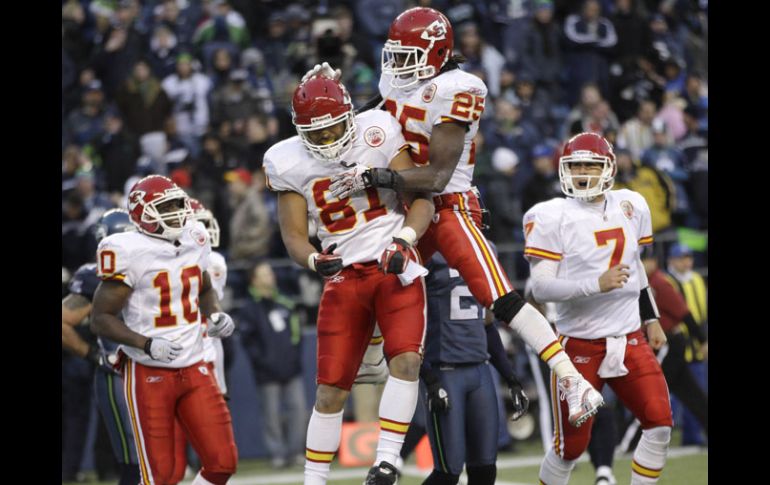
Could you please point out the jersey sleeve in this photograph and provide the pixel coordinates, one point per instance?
(84, 282)
(645, 221)
(116, 260)
(395, 142)
(458, 99)
(542, 235)
(274, 180)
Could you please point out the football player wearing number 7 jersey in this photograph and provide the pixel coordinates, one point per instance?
(438, 106)
(371, 268)
(156, 281)
(584, 254)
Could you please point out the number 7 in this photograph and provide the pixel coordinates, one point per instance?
(603, 237)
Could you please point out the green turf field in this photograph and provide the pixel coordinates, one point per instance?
(685, 466)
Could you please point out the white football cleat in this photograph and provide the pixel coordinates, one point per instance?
(582, 399)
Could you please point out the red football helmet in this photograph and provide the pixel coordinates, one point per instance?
(587, 148)
(420, 42)
(204, 215)
(319, 103)
(158, 207)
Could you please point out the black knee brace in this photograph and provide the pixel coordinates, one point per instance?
(441, 478)
(507, 306)
(481, 475)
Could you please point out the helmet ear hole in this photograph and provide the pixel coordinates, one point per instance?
(441, 52)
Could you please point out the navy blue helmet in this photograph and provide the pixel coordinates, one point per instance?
(112, 222)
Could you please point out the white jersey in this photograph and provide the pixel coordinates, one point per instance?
(377, 213)
(453, 95)
(586, 244)
(166, 280)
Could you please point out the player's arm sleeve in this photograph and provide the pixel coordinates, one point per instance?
(114, 262)
(645, 222)
(395, 143)
(459, 103)
(543, 249)
(547, 287)
(273, 179)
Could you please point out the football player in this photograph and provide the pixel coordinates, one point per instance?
(438, 106)
(368, 260)
(154, 293)
(584, 255)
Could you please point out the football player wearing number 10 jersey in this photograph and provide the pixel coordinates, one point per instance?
(355, 232)
(156, 281)
(438, 106)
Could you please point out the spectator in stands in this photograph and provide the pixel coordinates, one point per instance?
(678, 323)
(535, 104)
(118, 150)
(632, 30)
(667, 159)
(636, 134)
(143, 102)
(696, 95)
(541, 54)
(694, 147)
(589, 40)
(224, 24)
(187, 91)
(87, 122)
(509, 130)
(481, 55)
(600, 120)
(544, 184)
(656, 188)
(692, 287)
(272, 337)
(504, 205)
(250, 227)
(114, 58)
(235, 101)
(374, 17)
(164, 49)
(181, 21)
(672, 114)
(275, 44)
(589, 98)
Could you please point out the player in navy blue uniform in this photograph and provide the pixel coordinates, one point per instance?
(462, 405)
(108, 384)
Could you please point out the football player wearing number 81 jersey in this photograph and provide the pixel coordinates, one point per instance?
(370, 267)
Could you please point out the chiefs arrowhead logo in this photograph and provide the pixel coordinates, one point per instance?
(134, 198)
(435, 31)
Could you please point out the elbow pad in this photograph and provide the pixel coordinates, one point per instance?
(648, 310)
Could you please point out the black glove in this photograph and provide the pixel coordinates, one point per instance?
(325, 263)
(520, 400)
(395, 257)
(438, 398)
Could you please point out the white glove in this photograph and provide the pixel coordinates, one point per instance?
(221, 325)
(161, 349)
(324, 70)
(349, 182)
